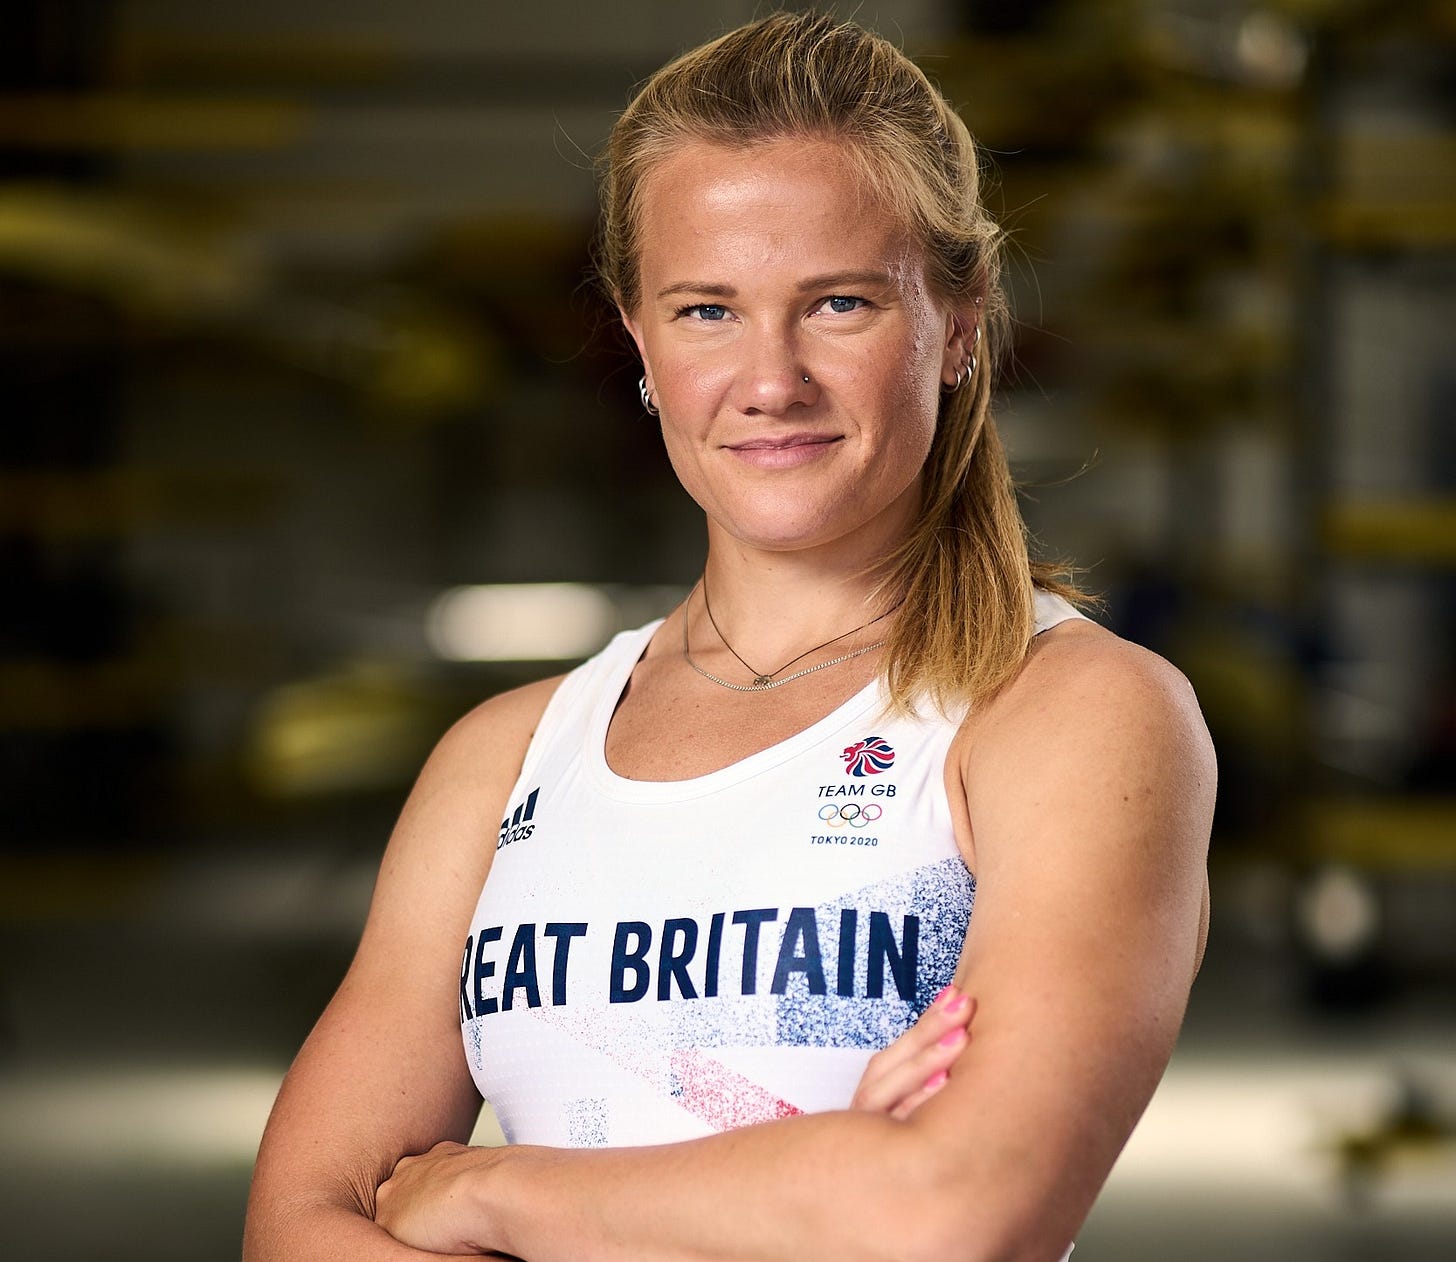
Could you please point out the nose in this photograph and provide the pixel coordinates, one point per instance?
(773, 377)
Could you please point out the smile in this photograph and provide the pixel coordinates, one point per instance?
(785, 451)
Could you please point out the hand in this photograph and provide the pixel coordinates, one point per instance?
(428, 1201)
(903, 1076)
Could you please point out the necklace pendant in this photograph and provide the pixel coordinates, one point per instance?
(762, 681)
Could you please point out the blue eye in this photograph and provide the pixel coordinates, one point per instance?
(704, 311)
(842, 304)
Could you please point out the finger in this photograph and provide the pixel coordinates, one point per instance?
(950, 1011)
(915, 1099)
(908, 1074)
(950, 1008)
(953, 1013)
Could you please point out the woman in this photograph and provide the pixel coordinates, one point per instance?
(714, 888)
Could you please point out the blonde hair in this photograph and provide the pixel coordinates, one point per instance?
(965, 571)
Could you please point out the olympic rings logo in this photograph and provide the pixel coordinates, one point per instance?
(850, 815)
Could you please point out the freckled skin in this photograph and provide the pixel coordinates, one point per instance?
(781, 267)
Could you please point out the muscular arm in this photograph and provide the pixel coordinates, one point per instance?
(382, 1074)
(1090, 784)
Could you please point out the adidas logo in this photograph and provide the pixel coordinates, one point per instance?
(517, 826)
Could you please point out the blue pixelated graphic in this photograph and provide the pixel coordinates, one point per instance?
(941, 895)
(586, 1122)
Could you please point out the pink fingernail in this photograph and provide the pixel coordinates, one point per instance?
(943, 992)
(951, 1037)
(958, 1005)
(936, 1080)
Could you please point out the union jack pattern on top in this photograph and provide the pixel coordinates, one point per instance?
(869, 757)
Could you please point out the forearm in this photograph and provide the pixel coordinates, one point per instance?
(323, 1232)
(839, 1185)
(314, 1200)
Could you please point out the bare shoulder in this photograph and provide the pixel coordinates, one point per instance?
(502, 724)
(475, 762)
(442, 839)
(1080, 677)
(1094, 728)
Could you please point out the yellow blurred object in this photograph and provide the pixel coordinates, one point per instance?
(405, 354)
(333, 57)
(1396, 188)
(123, 249)
(1412, 1135)
(101, 503)
(1407, 530)
(129, 121)
(42, 889)
(428, 361)
(1403, 834)
(366, 727)
(1245, 690)
(1370, 224)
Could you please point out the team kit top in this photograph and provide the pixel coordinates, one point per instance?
(657, 961)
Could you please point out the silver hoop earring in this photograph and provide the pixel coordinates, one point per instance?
(646, 396)
(971, 369)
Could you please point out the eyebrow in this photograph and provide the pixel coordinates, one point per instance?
(827, 281)
(703, 287)
(833, 280)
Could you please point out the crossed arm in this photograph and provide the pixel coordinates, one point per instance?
(1091, 789)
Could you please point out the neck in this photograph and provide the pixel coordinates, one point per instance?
(772, 606)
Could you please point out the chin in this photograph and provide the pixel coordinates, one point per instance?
(791, 534)
(786, 520)
(779, 539)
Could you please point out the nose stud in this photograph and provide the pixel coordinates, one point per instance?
(806, 379)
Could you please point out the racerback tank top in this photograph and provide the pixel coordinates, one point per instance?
(656, 961)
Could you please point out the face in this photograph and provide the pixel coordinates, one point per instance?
(762, 267)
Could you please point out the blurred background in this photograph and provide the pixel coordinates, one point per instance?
(315, 434)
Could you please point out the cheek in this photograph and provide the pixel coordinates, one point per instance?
(693, 383)
(683, 454)
(674, 442)
(916, 391)
(930, 355)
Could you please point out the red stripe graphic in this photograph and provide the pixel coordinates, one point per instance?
(715, 1094)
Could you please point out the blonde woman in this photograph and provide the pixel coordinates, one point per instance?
(711, 916)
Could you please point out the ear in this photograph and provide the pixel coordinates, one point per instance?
(634, 331)
(960, 329)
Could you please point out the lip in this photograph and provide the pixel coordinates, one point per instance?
(783, 451)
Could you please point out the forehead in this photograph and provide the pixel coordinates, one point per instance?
(797, 204)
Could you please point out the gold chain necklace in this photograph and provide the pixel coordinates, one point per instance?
(764, 681)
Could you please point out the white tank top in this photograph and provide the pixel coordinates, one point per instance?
(656, 961)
